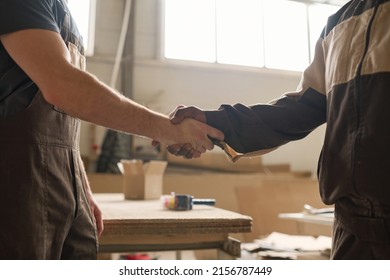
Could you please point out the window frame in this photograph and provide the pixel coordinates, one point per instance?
(89, 51)
(194, 63)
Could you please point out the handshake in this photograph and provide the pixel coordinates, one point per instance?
(194, 136)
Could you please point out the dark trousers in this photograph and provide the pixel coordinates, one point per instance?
(361, 231)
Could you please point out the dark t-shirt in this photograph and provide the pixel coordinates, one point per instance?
(16, 88)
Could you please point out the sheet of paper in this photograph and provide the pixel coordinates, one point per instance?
(290, 243)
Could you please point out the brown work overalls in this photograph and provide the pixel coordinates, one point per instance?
(44, 212)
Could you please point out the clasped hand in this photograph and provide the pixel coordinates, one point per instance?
(192, 117)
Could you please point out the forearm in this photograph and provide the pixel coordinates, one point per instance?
(44, 57)
(83, 96)
(265, 126)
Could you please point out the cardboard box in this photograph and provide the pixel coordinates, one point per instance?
(105, 182)
(142, 180)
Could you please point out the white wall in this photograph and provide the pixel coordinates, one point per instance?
(162, 85)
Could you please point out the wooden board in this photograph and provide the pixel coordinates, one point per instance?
(264, 203)
(150, 217)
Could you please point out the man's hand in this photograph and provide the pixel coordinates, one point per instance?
(183, 112)
(93, 206)
(97, 214)
(194, 138)
(177, 116)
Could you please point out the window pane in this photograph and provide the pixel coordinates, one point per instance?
(81, 13)
(318, 15)
(286, 35)
(239, 32)
(190, 30)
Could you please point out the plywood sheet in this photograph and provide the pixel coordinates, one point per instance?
(122, 216)
(264, 202)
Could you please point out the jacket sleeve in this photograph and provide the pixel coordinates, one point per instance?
(291, 117)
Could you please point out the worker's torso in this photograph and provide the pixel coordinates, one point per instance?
(355, 158)
(42, 182)
(16, 88)
(33, 129)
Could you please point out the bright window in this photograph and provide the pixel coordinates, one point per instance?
(236, 24)
(286, 35)
(83, 13)
(277, 34)
(189, 32)
(318, 14)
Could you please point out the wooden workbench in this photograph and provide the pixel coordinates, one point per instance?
(144, 225)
